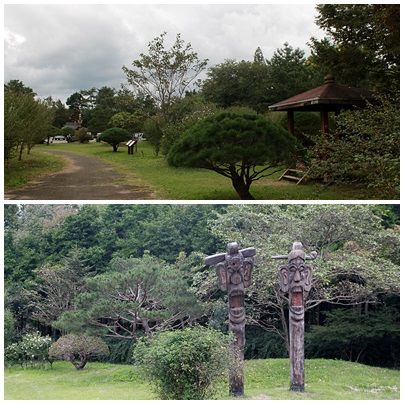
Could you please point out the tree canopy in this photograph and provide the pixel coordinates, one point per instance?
(242, 147)
(164, 74)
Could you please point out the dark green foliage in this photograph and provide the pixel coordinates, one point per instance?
(184, 365)
(18, 86)
(261, 344)
(290, 74)
(115, 136)
(136, 296)
(9, 324)
(365, 149)
(120, 351)
(238, 83)
(153, 129)
(239, 146)
(366, 44)
(372, 338)
(67, 131)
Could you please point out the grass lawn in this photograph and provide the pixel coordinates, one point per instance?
(186, 183)
(265, 379)
(18, 173)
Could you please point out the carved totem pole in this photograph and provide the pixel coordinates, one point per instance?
(295, 278)
(234, 269)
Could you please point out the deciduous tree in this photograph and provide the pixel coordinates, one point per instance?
(164, 74)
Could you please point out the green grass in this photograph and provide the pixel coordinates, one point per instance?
(37, 163)
(265, 379)
(184, 183)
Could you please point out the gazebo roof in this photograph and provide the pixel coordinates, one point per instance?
(330, 96)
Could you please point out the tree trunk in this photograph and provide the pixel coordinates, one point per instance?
(21, 150)
(115, 147)
(81, 363)
(241, 188)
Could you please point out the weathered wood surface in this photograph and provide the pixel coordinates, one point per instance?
(234, 270)
(295, 279)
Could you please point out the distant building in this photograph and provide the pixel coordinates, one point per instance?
(72, 125)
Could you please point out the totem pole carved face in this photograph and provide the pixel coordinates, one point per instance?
(234, 274)
(296, 280)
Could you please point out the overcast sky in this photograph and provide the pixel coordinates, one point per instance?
(60, 49)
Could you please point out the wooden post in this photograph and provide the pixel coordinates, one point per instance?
(234, 270)
(295, 279)
(324, 121)
(291, 122)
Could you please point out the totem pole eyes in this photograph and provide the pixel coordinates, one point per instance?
(248, 266)
(222, 276)
(284, 278)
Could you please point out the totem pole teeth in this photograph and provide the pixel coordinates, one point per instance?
(236, 292)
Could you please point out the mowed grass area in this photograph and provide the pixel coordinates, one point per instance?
(264, 379)
(186, 183)
(37, 163)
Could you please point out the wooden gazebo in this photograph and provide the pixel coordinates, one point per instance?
(329, 97)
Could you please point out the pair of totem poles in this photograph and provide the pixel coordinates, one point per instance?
(234, 269)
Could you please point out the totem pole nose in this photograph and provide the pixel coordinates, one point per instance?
(297, 277)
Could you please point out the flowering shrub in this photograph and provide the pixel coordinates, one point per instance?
(32, 349)
(78, 349)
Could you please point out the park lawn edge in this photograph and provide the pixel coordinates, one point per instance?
(264, 379)
(37, 164)
(197, 184)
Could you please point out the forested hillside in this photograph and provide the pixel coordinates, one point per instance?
(122, 271)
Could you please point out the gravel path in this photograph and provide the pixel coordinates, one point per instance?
(84, 177)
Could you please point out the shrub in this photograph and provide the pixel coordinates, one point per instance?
(32, 349)
(114, 136)
(67, 132)
(184, 364)
(365, 150)
(153, 129)
(82, 136)
(78, 349)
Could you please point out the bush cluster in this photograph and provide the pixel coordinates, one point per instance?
(31, 350)
(186, 364)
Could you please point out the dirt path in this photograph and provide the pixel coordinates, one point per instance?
(84, 177)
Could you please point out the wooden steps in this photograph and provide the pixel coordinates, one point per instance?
(293, 174)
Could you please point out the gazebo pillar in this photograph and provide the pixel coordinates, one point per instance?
(291, 123)
(324, 121)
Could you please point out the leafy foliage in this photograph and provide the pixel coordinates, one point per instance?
(26, 122)
(164, 74)
(78, 349)
(184, 365)
(9, 324)
(365, 40)
(352, 244)
(365, 149)
(372, 338)
(32, 350)
(115, 136)
(239, 146)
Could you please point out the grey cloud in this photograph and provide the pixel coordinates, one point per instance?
(58, 49)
